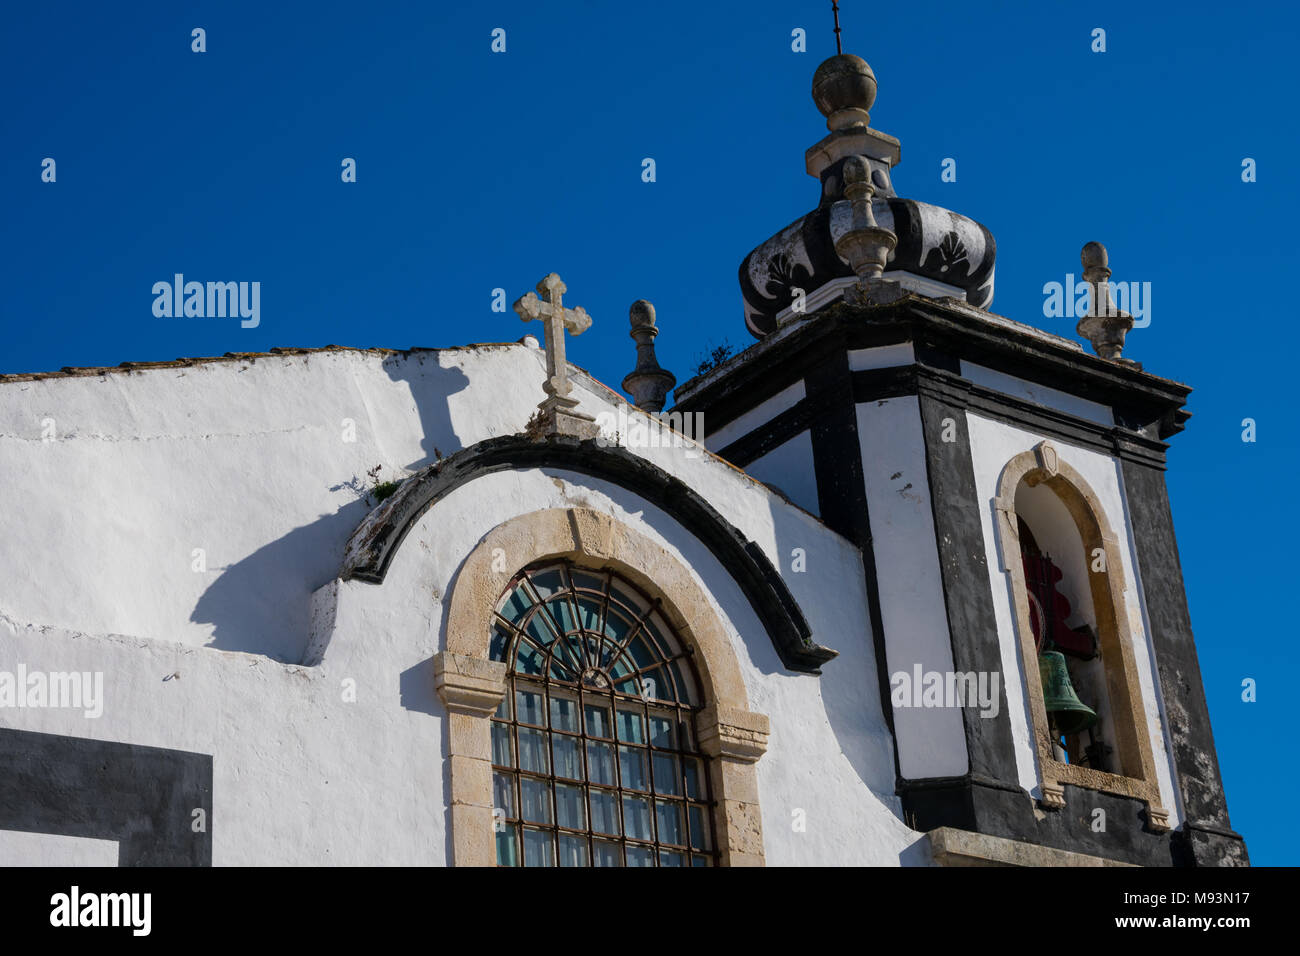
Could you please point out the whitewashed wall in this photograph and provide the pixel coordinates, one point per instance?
(248, 461)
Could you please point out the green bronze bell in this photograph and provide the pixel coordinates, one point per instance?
(1069, 714)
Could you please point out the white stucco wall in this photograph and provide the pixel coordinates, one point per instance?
(993, 444)
(931, 740)
(249, 460)
(790, 468)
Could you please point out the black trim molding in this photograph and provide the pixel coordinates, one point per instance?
(372, 546)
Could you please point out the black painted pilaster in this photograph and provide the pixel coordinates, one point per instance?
(959, 536)
(842, 492)
(1206, 838)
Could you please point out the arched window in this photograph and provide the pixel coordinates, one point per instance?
(595, 751)
(1067, 579)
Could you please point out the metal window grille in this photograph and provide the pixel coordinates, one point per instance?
(594, 749)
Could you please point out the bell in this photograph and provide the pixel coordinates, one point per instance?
(1069, 714)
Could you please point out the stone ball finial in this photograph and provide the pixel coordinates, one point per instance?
(1094, 256)
(641, 315)
(844, 89)
(648, 384)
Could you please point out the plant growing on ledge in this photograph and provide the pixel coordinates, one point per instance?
(379, 490)
(714, 359)
(535, 430)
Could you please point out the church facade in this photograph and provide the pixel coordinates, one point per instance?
(896, 585)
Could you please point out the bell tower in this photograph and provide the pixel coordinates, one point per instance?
(1006, 487)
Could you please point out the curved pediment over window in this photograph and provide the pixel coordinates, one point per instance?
(372, 546)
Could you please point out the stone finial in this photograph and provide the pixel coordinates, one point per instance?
(559, 411)
(865, 245)
(844, 89)
(648, 383)
(1104, 325)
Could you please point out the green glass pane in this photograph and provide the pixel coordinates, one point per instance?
(640, 856)
(686, 690)
(632, 607)
(547, 582)
(540, 628)
(636, 818)
(621, 668)
(701, 861)
(503, 797)
(663, 645)
(570, 807)
(668, 858)
(668, 778)
(529, 659)
(701, 838)
(500, 645)
(604, 853)
(617, 626)
(532, 751)
(503, 751)
(632, 763)
(564, 714)
(534, 800)
(508, 845)
(631, 726)
(589, 613)
(663, 730)
(600, 763)
(641, 653)
(562, 613)
(597, 719)
(539, 848)
(609, 651)
(573, 850)
(604, 811)
(590, 582)
(668, 817)
(655, 685)
(513, 608)
(568, 756)
(560, 670)
(691, 770)
(529, 706)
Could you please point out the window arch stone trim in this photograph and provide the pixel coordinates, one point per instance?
(1043, 465)
(471, 685)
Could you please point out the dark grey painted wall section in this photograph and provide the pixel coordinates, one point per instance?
(142, 797)
(1207, 837)
(972, 621)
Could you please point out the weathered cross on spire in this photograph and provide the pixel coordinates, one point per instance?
(558, 409)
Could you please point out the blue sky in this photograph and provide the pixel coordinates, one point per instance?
(478, 170)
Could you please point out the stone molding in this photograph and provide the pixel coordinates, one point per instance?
(1044, 465)
(471, 685)
(951, 847)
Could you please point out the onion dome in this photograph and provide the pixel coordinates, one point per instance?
(938, 253)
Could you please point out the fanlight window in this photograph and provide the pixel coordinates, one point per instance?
(594, 751)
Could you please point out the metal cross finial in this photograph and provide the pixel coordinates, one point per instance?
(557, 408)
(835, 9)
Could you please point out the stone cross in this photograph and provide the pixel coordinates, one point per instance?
(558, 409)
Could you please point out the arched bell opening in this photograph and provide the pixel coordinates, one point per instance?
(1067, 581)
